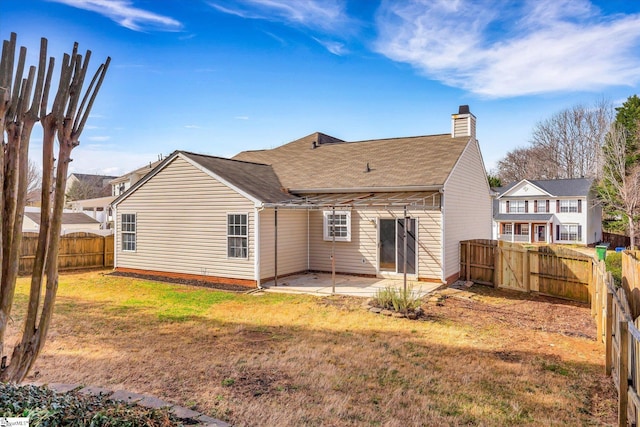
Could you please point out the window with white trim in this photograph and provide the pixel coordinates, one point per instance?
(516, 206)
(340, 225)
(507, 228)
(568, 206)
(570, 232)
(237, 236)
(541, 206)
(128, 227)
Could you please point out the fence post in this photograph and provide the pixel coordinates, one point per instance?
(497, 268)
(468, 260)
(526, 272)
(608, 337)
(623, 374)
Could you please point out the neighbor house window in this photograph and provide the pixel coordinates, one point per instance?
(507, 228)
(517, 206)
(237, 236)
(522, 229)
(569, 232)
(542, 206)
(569, 206)
(338, 224)
(128, 226)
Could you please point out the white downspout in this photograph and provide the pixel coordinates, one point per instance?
(442, 237)
(115, 237)
(256, 249)
(308, 243)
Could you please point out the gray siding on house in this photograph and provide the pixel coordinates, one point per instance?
(181, 225)
(292, 242)
(467, 206)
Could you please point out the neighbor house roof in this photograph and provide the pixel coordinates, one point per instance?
(318, 162)
(67, 218)
(556, 187)
(509, 217)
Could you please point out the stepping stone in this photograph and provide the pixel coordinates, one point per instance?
(63, 388)
(153, 402)
(184, 413)
(211, 422)
(127, 396)
(96, 391)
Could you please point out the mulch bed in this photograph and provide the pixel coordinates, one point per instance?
(191, 282)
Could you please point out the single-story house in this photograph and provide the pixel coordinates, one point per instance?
(314, 204)
(561, 211)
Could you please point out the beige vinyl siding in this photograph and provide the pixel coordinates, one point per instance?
(467, 206)
(181, 224)
(292, 242)
(360, 255)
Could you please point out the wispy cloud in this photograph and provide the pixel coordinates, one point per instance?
(499, 48)
(98, 138)
(337, 48)
(326, 15)
(125, 14)
(241, 117)
(192, 126)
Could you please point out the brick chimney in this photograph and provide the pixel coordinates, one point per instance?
(463, 123)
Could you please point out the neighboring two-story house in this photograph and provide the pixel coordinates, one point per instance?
(548, 211)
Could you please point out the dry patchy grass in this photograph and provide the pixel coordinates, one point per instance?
(273, 359)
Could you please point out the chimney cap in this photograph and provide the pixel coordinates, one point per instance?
(463, 109)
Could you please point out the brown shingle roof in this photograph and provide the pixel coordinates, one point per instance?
(258, 180)
(334, 164)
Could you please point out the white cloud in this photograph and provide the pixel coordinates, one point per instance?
(126, 15)
(241, 117)
(100, 138)
(108, 162)
(192, 126)
(498, 48)
(326, 15)
(334, 47)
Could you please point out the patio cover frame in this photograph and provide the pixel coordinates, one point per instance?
(407, 200)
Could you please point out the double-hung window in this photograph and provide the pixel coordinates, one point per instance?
(517, 206)
(507, 228)
(237, 236)
(568, 206)
(338, 224)
(541, 206)
(128, 226)
(570, 232)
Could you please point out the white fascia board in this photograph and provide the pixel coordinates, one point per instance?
(519, 185)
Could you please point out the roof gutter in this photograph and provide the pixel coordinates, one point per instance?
(367, 189)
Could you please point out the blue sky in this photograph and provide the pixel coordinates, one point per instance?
(222, 76)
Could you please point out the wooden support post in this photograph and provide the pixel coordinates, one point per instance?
(608, 336)
(623, 374)
(526, 273)
(333, 251)
(497, 265)
(468, 260)
(404, 249)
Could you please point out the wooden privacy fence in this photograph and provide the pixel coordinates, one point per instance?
(549, 270)
(618, 331)
(77, 251)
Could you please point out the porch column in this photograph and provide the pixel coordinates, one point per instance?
(513, 232)
(531, 231)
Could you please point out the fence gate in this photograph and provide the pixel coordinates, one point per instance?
(513, 266)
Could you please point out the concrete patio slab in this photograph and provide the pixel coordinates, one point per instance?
(321, 284)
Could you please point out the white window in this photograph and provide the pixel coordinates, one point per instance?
(340, 225)
(128, 226)
(516, 206)
(568, 206)
(237, 236)
(507, 229)
(542, 206)
(522, 229)
(570, 232)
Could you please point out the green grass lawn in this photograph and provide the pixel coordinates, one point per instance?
(281, 359)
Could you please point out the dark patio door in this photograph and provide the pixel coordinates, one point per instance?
(391, 242)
